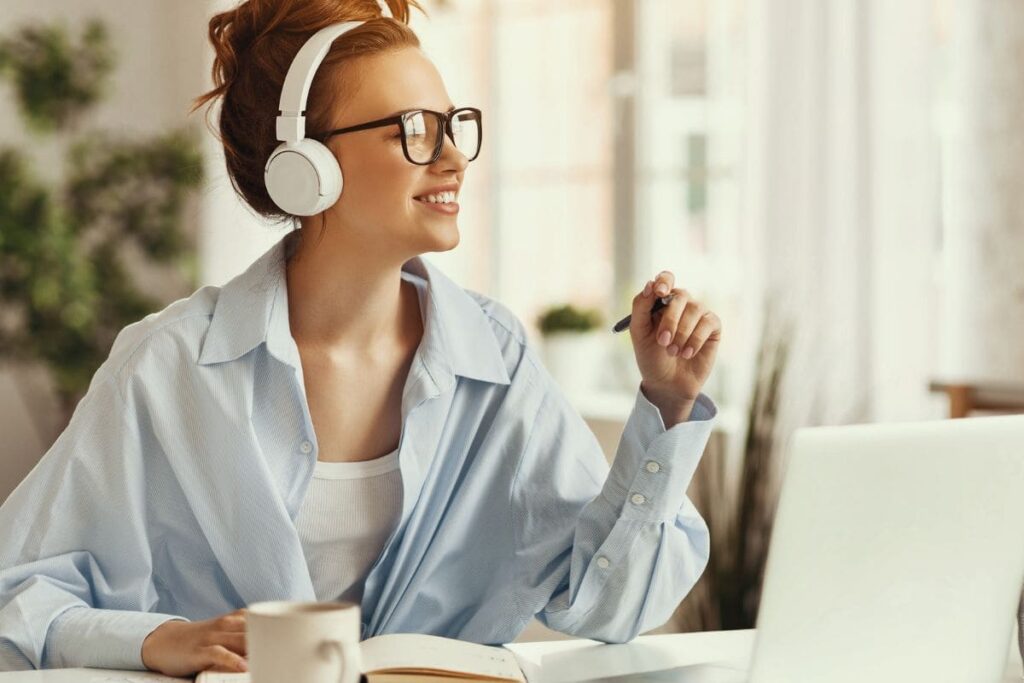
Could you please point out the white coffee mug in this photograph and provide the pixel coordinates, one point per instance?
(303, 642)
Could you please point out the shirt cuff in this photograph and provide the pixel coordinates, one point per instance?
(654, 465)
(651, 422)
(101, 638)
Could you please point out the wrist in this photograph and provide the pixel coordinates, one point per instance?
(146, 652)
(153, 644)
(674, 408)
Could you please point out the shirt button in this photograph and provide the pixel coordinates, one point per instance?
(638, 499)
(653, 466)
(306, 447)
(603, 562)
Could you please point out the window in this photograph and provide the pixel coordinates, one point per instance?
(689, 113)
(612, 137)
(540, 231)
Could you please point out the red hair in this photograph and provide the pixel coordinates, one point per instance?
(255, 44)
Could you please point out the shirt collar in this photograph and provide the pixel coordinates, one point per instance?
(253, 308)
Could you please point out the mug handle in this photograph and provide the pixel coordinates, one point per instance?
(350, 657)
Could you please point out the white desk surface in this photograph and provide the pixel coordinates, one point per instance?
(559, 661)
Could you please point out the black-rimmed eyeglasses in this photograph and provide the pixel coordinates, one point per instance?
(423, 130)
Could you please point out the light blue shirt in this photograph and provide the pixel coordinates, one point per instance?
(174, 490)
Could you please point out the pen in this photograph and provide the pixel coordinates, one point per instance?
(658, 305)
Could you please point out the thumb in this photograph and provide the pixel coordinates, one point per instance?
(641, 323)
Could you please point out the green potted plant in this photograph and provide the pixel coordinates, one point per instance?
(573, 345)
(69, 248)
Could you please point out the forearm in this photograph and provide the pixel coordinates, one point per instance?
(44, 626)
(630, 579)
(100, 638)
(640, 545)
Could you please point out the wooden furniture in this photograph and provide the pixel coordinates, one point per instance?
(966, 396)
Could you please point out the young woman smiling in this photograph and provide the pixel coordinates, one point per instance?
(344, 422)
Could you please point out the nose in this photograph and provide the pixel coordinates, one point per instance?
(451, 158)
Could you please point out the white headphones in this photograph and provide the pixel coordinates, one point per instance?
(303, 176)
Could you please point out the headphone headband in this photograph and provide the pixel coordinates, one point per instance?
(291, 122)
(302, 176)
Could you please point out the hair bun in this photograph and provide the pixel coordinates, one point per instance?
(231, 34)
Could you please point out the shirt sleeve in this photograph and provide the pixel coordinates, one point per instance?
(618, 547)
(75, 563)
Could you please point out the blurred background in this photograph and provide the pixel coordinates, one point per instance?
(840, 180)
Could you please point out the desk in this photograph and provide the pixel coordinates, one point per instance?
(557, 661)
(560, 661)
(967, 396)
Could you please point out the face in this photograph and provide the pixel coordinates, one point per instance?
(378, 204)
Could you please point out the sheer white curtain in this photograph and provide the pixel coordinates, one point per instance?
(841, 202)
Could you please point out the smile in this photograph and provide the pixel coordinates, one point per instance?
(446, 207)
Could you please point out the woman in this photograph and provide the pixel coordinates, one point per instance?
(343, 422)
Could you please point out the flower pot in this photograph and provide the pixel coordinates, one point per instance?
(575, 359)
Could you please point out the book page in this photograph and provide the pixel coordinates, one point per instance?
(426, 678)
(419, 652)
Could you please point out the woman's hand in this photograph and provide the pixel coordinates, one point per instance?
(182, 648)
(675, 348)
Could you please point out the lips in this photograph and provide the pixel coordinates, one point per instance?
(450, 208)
(438, 198)
(450, 187)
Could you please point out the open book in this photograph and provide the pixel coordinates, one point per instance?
(415, 658)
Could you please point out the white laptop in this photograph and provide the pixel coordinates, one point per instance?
(897, 555)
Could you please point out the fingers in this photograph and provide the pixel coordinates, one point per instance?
(226, 632)
(229, 622)
(682, 327)
(671, 316)
(686, 326)
(219, 658)
(663, 283)
(231, 640)
(226, 647)
(709, 329)
(640, 320)
(687, 322)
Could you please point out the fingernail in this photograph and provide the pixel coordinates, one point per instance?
(673, 350)
(688, 353)
(664, 337)
(662, 289)
(647, 289)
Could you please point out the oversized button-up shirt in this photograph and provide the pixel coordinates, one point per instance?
(173, 491)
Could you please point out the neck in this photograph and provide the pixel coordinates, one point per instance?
(345, 298)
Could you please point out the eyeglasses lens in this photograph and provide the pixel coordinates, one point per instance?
(423, 136)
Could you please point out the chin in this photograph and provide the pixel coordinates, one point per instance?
(446, 238)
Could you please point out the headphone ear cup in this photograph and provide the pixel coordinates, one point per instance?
(303, 178)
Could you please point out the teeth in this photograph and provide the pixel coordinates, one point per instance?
(439, 198)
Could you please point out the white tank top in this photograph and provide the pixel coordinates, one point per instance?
(348, 514)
